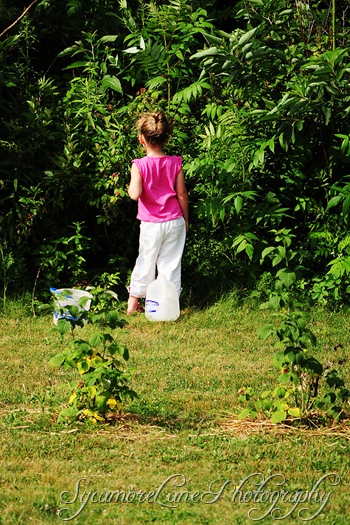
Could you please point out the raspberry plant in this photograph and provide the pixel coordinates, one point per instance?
(100, 362)
(306, 390)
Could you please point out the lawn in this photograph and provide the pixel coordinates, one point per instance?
(178, 454)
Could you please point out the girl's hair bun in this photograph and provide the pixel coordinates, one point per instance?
(155, 127)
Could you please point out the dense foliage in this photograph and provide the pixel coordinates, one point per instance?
(260, 96)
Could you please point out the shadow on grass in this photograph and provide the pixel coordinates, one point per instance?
(170, 424)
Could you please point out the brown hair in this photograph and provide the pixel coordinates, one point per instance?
(155, 127)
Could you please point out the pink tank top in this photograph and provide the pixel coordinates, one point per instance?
(158, 202)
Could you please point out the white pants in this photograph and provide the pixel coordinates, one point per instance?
(161, 247)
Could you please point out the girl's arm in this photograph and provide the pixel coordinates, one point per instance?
(135, 186)
(182, 197)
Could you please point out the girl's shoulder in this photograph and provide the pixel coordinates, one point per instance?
(174, 158)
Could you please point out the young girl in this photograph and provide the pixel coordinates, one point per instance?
(158, 184)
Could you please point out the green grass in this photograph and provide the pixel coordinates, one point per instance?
(180, 437)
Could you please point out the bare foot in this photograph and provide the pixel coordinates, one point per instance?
(134, 305)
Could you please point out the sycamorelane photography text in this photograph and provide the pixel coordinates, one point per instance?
(261, 495)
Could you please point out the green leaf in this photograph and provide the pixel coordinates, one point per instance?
(275, 302)
(96, 340)
(242, 246)
(294, 412)
(277, 260)
(207, 52)
(214, 39)
(267, 251)
(278, 416)
(108, 38)
(101, 401)
(327, 113)
(83, 300)
(179, 54)
(266, 404)
(271, 144)
(83, 347)
(334, 201)
(281, 405)
(63, 326)
(73, 310)
(238, 202)
(245, 413)
(286, 378)
(247, 36)
(280, 392)
(265, 394)
(91, 391)
(58, 359)
(286, 276)
(344, 145)
(83, 366)
(243, 398)
(125, 353)
(68, 51)
(279, 359)
(116, 348)
(266, 331)
(346, 205)
(112, 83)
(312, 364)
(108, 338)
(329, 398)
(77, 64)
(336, 412)
(96, 361)
(155, 82)
(333, 380)
(68, 414)
(249, 250)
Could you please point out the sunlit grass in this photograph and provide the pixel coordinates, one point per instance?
(187, 375)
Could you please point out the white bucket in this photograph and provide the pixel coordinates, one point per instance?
(162, 300)
(68, 297)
